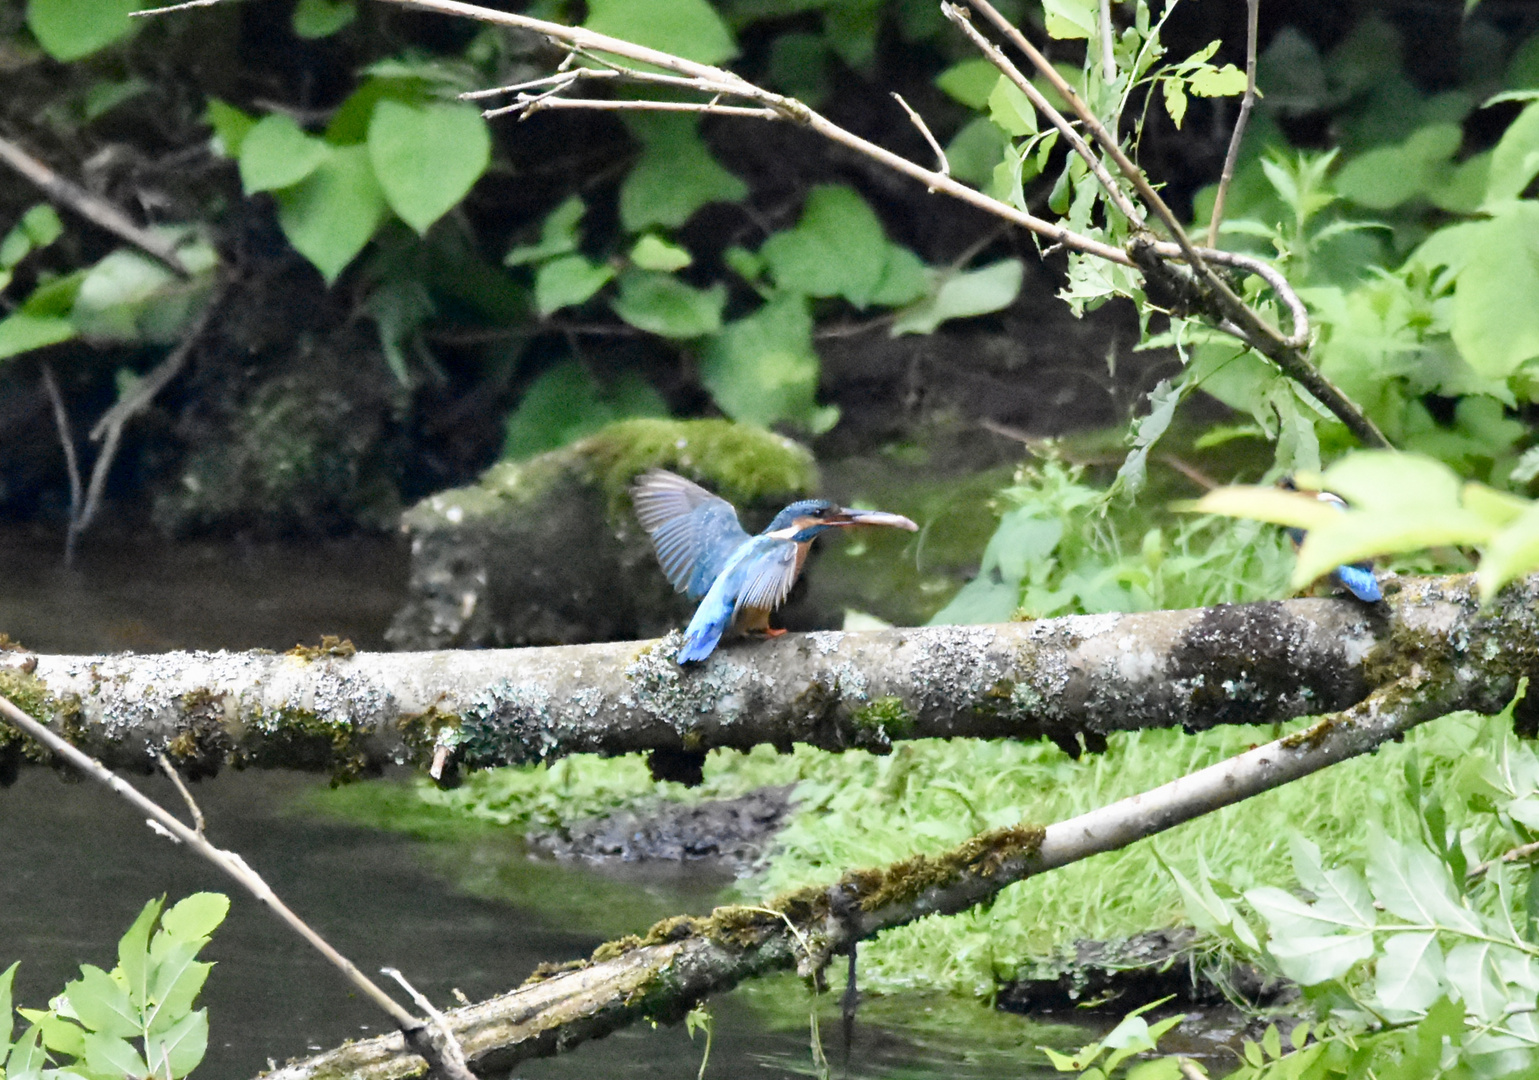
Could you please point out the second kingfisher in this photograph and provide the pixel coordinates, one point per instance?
(704, 551)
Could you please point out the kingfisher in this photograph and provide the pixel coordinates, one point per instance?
(1357, 578)
(705, 552)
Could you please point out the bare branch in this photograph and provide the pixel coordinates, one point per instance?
(1108, 55)
(449, 1046)
(534, 105)
(995, 56)
(66, 440)
(1253, 17)
(192, 804)
(683, 960)
(413, 1030)
(924, 129)
(93, 208)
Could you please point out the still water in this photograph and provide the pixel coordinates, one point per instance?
(76, 864)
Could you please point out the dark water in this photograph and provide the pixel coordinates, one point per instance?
(76, 864)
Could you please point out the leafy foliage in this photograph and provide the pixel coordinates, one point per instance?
(135, 1020)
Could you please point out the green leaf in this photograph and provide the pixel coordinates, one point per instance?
(26, 1057)
(1068, 19)
(1515, 158)
(1174, 89)
(1387, 176)
(838, 248)
(566, 404)
(331, 215)
(276, 153)
(654, 253)
(1408, 976)
(977, 150)
(661, 304)
(134, 954)
(1471, 971)
(558, 235)
(1208, 81)
(176, 1052)
(102, 1003)
(427, 157)
(197, 916)
(970, 82)
(1495, 322)
(38, 227)
(1512, 553)
(7, 977)
(322, 18)
(59, 1034)
(762, 369)
(961, 296)
(687, 28)
(70, 29)
(1415, 884)
(131, 297)
(904, 278)
(567, 281)
(1011, 109)
(231, 126)
(22, 332)
(110, 1055)
(675, 176)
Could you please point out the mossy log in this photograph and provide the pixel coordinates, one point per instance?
(1072, 680)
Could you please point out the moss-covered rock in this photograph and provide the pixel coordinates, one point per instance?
(546, 551)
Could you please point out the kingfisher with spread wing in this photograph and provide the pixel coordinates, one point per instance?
(705, 552)
(1357, 578)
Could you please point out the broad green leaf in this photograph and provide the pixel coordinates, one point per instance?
(1365, 534)
(1387, 176)
(231, 126)
(176, 1052)
(962, 296)
(333, 212)
(1226, 81)
(134, 954)
(59, 1034)
(654, 253)
(109, 1055)
(7, 977)
(663, 305)
(1163, 400)
(131, 297)
(565, 404)
(976, 151)
(1512, 553)
(970, 82)
(176, 981)
(1415, 884)
(675, 176)
(38, 227)
(687, 28)
(1500, 508)
(762, 369)
(1471, 971)
(904, 278)
(567, 281)
(22, 332)
(1068, 19)
(1375, 479)
(276, 153)
(427, 157)
(558, 235)
(102, 1003)
(1311, 960)
(197, 916)
(70, 29)
(1408, 977)
(1011, 109)
(838, 248)
(1174, 89)
(26, 1057)
(322, 18)
(1495, 322)
(1514, 159)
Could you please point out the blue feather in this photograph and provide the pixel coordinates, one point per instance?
(1359, 581)
(758, 575)
(711, 620)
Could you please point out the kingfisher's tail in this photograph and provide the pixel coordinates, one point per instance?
(711, 620)
(1360, 582)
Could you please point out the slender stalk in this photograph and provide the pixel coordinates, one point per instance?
(1253, 18)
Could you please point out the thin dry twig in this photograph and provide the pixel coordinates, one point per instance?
(109, 429)
(192, 804)
(529, 108)
(236, 867)
(1253, 18)
(1108, 53)
(93, 208)
(449, 1045)
(66, 437)
(924, 129)
(1517, 854)
(1190, 1070)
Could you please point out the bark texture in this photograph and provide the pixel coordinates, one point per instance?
(1066, 679)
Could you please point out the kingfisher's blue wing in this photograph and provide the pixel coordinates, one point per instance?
(1360, 582)
(767, 572)
(695, 532)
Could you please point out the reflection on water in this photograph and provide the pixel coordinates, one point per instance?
(474, 914)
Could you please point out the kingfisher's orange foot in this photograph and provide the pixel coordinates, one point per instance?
(770, 631)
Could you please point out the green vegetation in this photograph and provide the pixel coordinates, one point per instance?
(135, 1020)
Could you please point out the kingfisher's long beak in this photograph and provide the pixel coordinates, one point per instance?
(847, 516)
